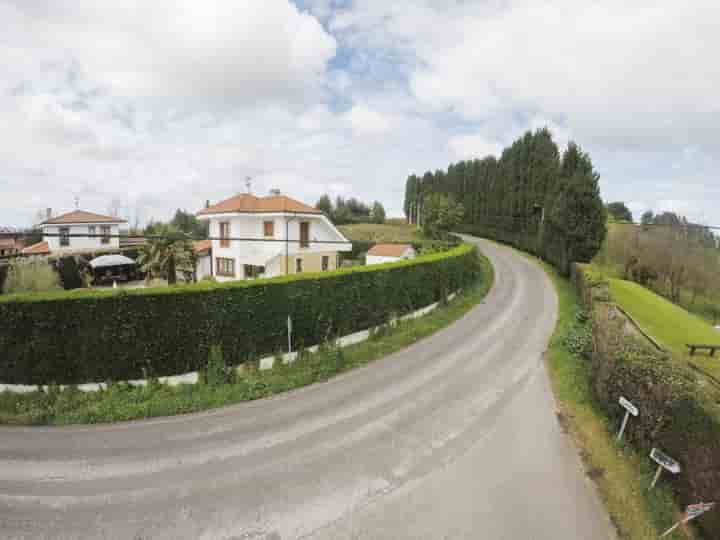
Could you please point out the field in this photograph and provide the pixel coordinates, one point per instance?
(389, 233)
(670, 324)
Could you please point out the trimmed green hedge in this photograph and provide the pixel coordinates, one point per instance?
(91, 336)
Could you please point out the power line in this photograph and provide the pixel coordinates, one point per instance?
(176, 238)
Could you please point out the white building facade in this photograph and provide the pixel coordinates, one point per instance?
(269, 236)
(82, 231)
(385, 253)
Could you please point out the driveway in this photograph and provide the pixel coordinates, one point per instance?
(454, 437)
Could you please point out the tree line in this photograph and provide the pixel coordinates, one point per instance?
(670, 255)
(531, 196)
(347, 211)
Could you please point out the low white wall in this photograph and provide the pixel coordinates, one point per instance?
(265, 363)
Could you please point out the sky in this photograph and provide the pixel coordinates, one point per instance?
(146, 107)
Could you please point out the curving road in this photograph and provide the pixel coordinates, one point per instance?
(454, 437)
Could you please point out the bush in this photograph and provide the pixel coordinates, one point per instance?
(112, 335)
(30, 275)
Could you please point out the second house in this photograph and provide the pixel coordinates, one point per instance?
(267, 236)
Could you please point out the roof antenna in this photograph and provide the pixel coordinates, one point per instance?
(248, 184)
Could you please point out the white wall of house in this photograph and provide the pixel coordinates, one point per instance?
(380, 259)
(270, 251)
(203, 267)
(77, 243)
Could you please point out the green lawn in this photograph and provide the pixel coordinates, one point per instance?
(372, 232)
(670, 324)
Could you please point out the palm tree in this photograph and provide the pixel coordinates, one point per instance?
(168, 252)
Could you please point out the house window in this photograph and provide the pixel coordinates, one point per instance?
(225, 267)
(64, 236)
(298, 265)
(105, 231)
(304, 234)
(224, 234)
(252, 272)
(92, 232)
(268, 229)
(325, 263)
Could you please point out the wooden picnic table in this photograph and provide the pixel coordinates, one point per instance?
(697, 346)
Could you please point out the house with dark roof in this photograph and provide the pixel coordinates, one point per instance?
(269, 236)
(77, 231)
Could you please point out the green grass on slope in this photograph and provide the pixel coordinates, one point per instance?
(621, 474)
(372, 232)
(670, 324)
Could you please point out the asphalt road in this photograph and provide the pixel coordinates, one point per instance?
(454, 437)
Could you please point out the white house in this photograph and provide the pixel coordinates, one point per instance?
(385, 253)
(77, 231)
(268, 236)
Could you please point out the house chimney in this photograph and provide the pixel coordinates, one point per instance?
(207, 203)
(275, 192)
(48, 213)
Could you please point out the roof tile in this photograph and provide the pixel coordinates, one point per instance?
(250, 204)
(80, 216)
(389, 250)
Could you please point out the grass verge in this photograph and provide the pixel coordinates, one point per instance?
(621, 474)
(222, 387)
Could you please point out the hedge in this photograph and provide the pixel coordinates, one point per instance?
(94, 336)
(678, 413)
(542, 241)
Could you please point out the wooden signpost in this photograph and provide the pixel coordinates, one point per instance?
(691, 512)
(629, 409)
(664, 462)
(289, 326)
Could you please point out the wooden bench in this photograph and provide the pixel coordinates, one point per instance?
(696, 347)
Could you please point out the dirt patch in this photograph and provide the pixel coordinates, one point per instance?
(563, 421)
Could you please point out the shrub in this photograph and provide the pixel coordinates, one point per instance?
(101, 335)
(216, 372)
(30, 275)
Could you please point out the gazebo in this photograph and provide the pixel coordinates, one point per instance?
(108, 268)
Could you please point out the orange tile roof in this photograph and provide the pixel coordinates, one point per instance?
(80, 216)
(202, 245)
(41, 248)
(250, 204)
(9, 243)
(389, 250)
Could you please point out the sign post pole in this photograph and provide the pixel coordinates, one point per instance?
(657, 476)
(289, 329)
(629, 409)
(664, 462)
(622, 427)
(691, 512)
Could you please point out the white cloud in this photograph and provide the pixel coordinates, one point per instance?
(473, 147)
(368, 122)
(166, 104)
(620, 73)
(228, 51)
